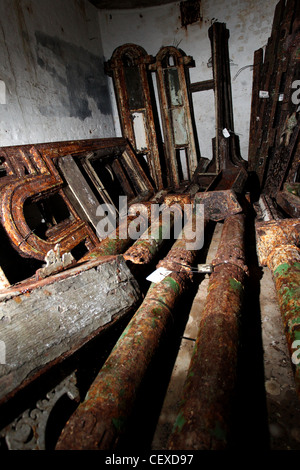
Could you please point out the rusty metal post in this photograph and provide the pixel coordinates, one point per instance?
(203, 419)
(226, 149)
(114, 244)
(277, 248)
(102, 417)
(285, 267)
(119, 240)
(148, 245)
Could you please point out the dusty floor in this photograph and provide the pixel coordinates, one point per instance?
(276, 418)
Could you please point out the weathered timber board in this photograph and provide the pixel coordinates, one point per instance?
(54, 317)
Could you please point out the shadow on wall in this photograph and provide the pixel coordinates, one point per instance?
(76, 69)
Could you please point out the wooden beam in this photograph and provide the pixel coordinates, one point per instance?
(43, 322)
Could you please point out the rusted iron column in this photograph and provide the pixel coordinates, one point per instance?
(226, 148)
(114, 244)
(203, 419)
(102, 417)
(277, 247)
(148, 245)
(285, 267)
(119, 240)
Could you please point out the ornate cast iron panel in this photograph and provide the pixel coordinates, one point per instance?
(128, 67)
(31, 175)
(170, 67)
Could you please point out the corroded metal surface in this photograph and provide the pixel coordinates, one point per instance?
(13, 196)
(183, 253)
(30, 174)
(274, 123)
(273, 234)
(120, 240)
(286, 275)
(144, 250)
(116, 243)
(266, 209)
(226, 149)
(203, 421)
(101, 419)
(132, 82)
(221, 198)
(171, 71)
(289, 199)
(277, 246)
(219, 204)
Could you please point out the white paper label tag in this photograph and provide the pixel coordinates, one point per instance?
(280, 97)
(226, 133)
(2, 93)
(263, 94)
(205, 268)
(158, 275)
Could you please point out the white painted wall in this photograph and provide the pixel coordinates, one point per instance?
(51, 64)
(249, 23)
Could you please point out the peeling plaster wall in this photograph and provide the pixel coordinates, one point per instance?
(51, 65)
(249, 23)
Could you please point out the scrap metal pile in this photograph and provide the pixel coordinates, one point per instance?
(49, 194)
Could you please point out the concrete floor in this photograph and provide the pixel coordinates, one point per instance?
(282, 402)
(279, 412)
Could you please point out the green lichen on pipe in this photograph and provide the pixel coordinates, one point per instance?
(101, 418)
(236, 285)
(145, 248)
(103, 415)
(204, 413)
(114, 244)
(287, 284)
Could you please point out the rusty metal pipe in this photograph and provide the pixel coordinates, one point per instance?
(144, 250)
(114, 244)
(119, 240)
(202, 421)
(285, 267)
(102, 417)
(277, 248)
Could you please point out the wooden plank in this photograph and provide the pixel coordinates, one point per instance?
(133, 168)
(43, 322)
(80, 189)
(122, 178)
